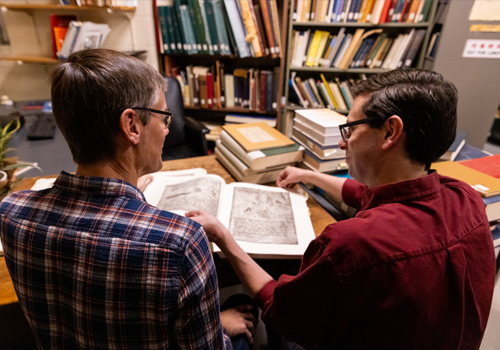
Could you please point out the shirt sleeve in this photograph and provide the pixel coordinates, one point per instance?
(199, 325)
(352, 193)
(301, 307)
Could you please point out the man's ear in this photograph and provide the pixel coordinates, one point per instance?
(393, 128)
(130, 125)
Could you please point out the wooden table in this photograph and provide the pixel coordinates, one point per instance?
(319, 217)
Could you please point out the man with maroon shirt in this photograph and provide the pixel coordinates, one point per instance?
(415, 268)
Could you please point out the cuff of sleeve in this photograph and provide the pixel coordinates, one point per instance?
(349, 190)
(227, 338)
(265, 294)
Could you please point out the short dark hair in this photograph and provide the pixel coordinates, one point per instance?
(425, 102)
(89, 93)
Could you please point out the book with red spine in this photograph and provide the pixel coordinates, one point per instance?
(210, 90)
(58, 27)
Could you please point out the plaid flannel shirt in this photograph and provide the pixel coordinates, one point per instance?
(96, 267)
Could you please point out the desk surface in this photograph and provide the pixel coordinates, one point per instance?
(319, 217)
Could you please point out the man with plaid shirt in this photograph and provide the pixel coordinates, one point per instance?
(95, 266)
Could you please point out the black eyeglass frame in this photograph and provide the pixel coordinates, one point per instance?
(168, 115)
(343, 130)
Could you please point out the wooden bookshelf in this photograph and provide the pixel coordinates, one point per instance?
(30, 59)
(30, 8)
(174, 58)
(26, 7)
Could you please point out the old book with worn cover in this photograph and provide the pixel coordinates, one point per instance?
(262, 159)
(242, 172)
(257, 136)
(267, 222)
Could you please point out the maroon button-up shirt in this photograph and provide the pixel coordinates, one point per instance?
(414, 269)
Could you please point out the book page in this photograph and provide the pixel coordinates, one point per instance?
(267, 222)
(154, 189)
(198, 193)
(43, 183)
(485, 10)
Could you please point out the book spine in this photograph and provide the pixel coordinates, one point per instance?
(267, 24)
(220, 27)
(237, 28)
(276, 26)
(198, 26)
(210, 90)
(206, 28)
(248, 21)
(261, 29)
(212, 28)
(190, 45)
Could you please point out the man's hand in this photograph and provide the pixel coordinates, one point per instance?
(144, 181)
(290, 176)
(216, 232)
(239, 320)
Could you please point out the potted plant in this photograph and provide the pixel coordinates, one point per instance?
(9, 165)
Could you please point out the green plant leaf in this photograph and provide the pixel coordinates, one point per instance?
(19, 165)
(6, 135)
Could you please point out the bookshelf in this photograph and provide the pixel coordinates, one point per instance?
(436, 28)
(261, 60)
(35, 10)
(27, 7)
(336, 69)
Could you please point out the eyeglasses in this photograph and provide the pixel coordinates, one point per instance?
(345, 129)
(168, 115)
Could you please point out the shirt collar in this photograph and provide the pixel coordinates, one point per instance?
(400, 191)
(97, 186)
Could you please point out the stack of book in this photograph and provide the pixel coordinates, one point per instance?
(256, 152)
(220, 27)
(362, 11)
(317, 130)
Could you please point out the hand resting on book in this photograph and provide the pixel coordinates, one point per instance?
(216, 232)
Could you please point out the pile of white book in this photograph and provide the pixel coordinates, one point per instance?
(317, 130)
(256, 152)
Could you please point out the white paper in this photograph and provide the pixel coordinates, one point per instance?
(301, 220)
(485, 10)
(42, 184)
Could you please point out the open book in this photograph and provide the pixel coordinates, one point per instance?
(268, 222)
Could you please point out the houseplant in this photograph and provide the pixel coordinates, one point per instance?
(9, 165)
